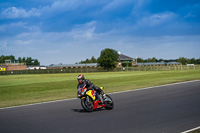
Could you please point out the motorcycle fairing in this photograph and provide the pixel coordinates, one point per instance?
(98, 106)
(91, 94)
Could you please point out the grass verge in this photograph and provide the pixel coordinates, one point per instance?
(27, 89)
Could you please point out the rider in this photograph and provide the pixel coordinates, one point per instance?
(89, 85)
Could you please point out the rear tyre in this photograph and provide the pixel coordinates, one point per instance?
(109, 103)
(87, 104)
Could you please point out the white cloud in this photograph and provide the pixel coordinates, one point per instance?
(139, 6)
(61, 6)
(6, 27)
(66, 4)
(84, 31)
(3, 44)
(116, 4)
(57, 6)
(18, 27)
(86, 34)
(157, 19)
(54, 47)
(13, 12)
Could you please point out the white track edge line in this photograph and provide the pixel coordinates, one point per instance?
(140, 89)
(155, 87)
(191, 130)
(37, 103)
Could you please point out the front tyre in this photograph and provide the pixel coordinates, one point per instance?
(87, 104)
(109, 103)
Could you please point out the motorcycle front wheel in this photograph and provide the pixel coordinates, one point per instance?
(87, 104)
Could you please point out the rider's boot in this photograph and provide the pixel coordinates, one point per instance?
(103, 95)
(98, 97)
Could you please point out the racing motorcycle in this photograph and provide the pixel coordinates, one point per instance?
(90, 100)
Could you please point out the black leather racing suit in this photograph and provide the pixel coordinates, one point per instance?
(91, 86)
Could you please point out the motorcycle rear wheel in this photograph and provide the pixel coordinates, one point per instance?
(87, 104)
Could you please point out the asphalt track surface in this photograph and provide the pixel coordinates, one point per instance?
(165, 109)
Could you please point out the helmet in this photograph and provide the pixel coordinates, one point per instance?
(80, 79)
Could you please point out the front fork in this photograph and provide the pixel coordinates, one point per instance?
(87, 98)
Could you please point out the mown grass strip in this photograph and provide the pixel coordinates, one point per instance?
(27, 89)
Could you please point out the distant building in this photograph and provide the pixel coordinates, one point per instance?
(11, 61)
(66, 66)
(158, 63)
(11, 65)
(36, 67)
(125, 60)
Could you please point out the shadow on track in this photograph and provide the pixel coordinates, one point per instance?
(79, 110)
(83, 111)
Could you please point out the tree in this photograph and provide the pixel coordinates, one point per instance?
(20, 60)
(140, 60)
(182, 60)
(24, 60)
(160, 60)
(30, 61)
(36, 62)
(27, 61)
(3, 58)
(151, 60)
(154, 59)
(108, 58)
(92, 60)
(198, 61)
(193, 61)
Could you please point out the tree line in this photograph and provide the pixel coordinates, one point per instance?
(107, 59)
(26, 60)
(181, 60)
(92, 60)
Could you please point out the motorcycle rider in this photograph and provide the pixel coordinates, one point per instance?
(89, 85)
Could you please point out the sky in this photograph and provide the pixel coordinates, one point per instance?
(68, 31)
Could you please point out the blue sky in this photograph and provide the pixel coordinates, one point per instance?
(68, 31)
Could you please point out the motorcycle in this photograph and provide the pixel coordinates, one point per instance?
(91, 101)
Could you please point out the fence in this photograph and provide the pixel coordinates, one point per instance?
(90, 70)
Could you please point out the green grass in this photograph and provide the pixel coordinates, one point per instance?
(27, 89)
(196, 131)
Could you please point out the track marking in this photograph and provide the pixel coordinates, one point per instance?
(191, 130)
(107, 93)
(37, 103)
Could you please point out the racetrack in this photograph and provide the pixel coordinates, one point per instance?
(171, 108)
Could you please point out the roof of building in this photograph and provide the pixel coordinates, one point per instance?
(73, 65)
(124, 57)
(159, 63)
(11, 61)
